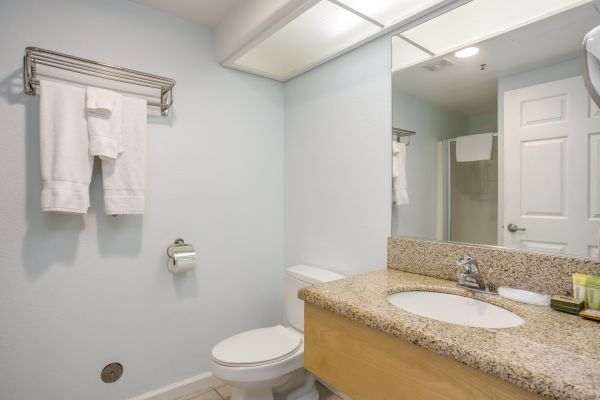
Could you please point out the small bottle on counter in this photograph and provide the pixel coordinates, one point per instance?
(579, 287)
(592, 284)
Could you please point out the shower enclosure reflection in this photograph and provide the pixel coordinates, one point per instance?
(507, 143)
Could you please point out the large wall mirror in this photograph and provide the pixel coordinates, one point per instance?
(495, 138)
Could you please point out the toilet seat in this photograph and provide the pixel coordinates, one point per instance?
(251, 374)
(257, 347)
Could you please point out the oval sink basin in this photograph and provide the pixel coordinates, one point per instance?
(455, 309)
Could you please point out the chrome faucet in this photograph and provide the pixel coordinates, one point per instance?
(470, 278)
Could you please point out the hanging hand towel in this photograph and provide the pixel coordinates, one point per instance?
(474, 147)
(65, 161)
(104, 114)
(399, 185)
(124, 178)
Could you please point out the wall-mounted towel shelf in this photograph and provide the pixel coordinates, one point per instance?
(398, 133)
(35, 56)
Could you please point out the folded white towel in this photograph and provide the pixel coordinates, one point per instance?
(104, 114)
(100, 101)
(399, 184)
(474, 147)
(124, 178)
(65, 161)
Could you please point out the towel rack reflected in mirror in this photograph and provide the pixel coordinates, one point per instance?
(398, 133)
(35, 56)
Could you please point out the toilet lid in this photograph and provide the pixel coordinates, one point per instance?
(257, 346)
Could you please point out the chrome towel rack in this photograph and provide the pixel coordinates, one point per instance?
(398, 133)
(35, 56)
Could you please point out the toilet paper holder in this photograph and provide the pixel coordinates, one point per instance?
(182, 256)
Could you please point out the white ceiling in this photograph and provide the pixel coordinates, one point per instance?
(465, 89)
(205, 12)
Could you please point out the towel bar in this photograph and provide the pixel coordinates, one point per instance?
(35, 56)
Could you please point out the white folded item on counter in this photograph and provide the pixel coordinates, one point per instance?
(524, 296)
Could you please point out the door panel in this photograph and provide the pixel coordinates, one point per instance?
(543, 183)
(552, 168)
(544, 110)
(594, 176)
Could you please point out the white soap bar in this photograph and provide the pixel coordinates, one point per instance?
(524, 296)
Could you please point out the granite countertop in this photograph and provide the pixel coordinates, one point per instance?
(553, 354)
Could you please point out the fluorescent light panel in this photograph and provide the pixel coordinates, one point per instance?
(389, 12)
(316, 34)
(482, 19)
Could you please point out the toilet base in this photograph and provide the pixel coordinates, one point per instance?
(297, 385)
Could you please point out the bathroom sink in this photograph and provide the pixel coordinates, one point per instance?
(455, 309)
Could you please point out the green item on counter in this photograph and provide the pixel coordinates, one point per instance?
(566, 304)
(566, 301)
(570, 310)
(592, 284)
(579, 286)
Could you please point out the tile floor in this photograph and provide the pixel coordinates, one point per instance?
(223, 392)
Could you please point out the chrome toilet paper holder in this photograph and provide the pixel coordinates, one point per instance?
(177, 252)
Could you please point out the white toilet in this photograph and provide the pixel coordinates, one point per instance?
(267, 363)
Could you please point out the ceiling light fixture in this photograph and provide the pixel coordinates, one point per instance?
(466, 52)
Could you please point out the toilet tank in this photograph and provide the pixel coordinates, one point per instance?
(297, 277)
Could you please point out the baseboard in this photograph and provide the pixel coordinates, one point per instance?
(181, 388)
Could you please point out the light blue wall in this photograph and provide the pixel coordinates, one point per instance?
(338, 163)
(432, 124)
(79, 292)
(549, 73)
(483, 123)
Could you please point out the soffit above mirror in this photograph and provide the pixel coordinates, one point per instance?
(281, 39)
(312, 32)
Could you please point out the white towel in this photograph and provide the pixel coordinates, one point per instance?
(66, 163)
(104, 113)
(124, 178)
(400, 188)
(474, 147)
(100, 101)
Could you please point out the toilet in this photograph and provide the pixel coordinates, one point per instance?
(267, 363)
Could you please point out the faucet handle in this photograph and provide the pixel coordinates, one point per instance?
(468, 263)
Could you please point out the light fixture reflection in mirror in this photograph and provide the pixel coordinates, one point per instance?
(468, 52)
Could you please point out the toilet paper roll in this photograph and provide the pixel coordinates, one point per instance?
(181, 265)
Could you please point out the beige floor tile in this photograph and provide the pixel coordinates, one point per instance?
(209, 394)
(224, 391)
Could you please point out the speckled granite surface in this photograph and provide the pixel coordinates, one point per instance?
(499, 266)
(553, 354)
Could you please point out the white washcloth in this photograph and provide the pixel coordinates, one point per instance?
(124, 178)
(474, 147)
(104, 113)
(100, 101)
(400, 187)
(66, 163)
